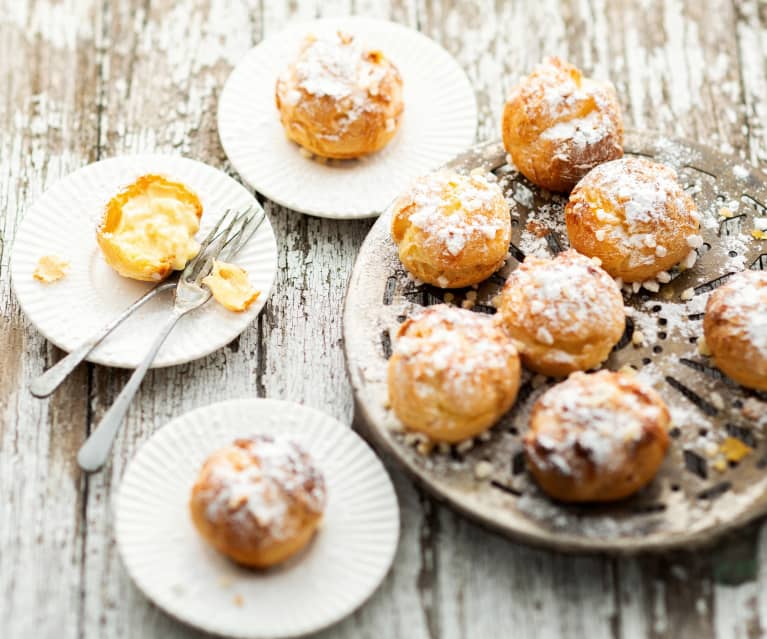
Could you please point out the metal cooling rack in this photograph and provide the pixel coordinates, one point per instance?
(697, 495)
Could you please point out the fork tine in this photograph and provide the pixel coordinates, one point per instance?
(213, 244)
(248, 231)
(210, 237)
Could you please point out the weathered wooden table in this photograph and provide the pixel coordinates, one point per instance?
(82, 80)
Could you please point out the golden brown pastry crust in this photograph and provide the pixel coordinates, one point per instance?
(230, 286)
(558, 125)
(258, 501)
(635, 217)
(339, 100)
(131, 261)
(565, 313)
(452, 230)
(453, 373)
(735, 327)
(596, 437)
(50, 268)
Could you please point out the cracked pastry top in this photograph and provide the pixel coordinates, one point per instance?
(452, 230)
(596, 437)
(453, 373)
(558, 125)
(565, 313)
(635, 217)
(259, 500)
(735, 328)
(340, 99)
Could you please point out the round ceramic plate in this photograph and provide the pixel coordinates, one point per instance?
(176, 569)
(440, 120)
(63, 223)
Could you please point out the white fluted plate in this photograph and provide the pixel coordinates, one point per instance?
(439, 121)
(63, 222)
(342, 566)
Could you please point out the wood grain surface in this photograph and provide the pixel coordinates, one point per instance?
(82, 80)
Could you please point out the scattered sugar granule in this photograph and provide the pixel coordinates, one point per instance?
(483, 470)
(651, 285)
(741, 172)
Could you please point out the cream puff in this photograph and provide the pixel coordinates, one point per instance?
(453, 373)
(558, 125)
(259, 500)
(339, 99)
(148, 229)
(635, 217)
(735, 328)
(565, 313)
(452, 230)
(596, 437)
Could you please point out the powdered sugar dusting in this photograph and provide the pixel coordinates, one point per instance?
(257, 484)
(338, 67)
(450, 348)
(454, 209)
(743, 304)
(594, 418)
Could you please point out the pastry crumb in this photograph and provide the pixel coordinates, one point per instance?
(734, 450)
(230, 286)
(238, 600)
(50, 268)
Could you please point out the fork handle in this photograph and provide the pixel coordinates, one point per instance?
(95, 450)
(44, 384)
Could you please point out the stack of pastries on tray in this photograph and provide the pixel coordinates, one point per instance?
(596, 436)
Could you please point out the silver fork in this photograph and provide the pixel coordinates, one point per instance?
(220, 244)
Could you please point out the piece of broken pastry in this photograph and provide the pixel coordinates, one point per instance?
(50, 268)
(148, 228)
(230, 286)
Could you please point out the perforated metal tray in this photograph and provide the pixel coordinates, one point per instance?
(697, 495)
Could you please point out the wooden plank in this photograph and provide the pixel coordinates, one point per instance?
(46, 108)
(164, 66)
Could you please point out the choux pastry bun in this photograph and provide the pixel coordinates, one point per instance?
(148, 228)
(596, 437)
(565, 313)
(258, 501)
(735, 328)
(338, 99)
(452, 230)
(558, 125)
(635, 217)
(453, 373)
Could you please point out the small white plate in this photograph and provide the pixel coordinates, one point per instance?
(342, 566)
(440, 121)
(63, 223)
